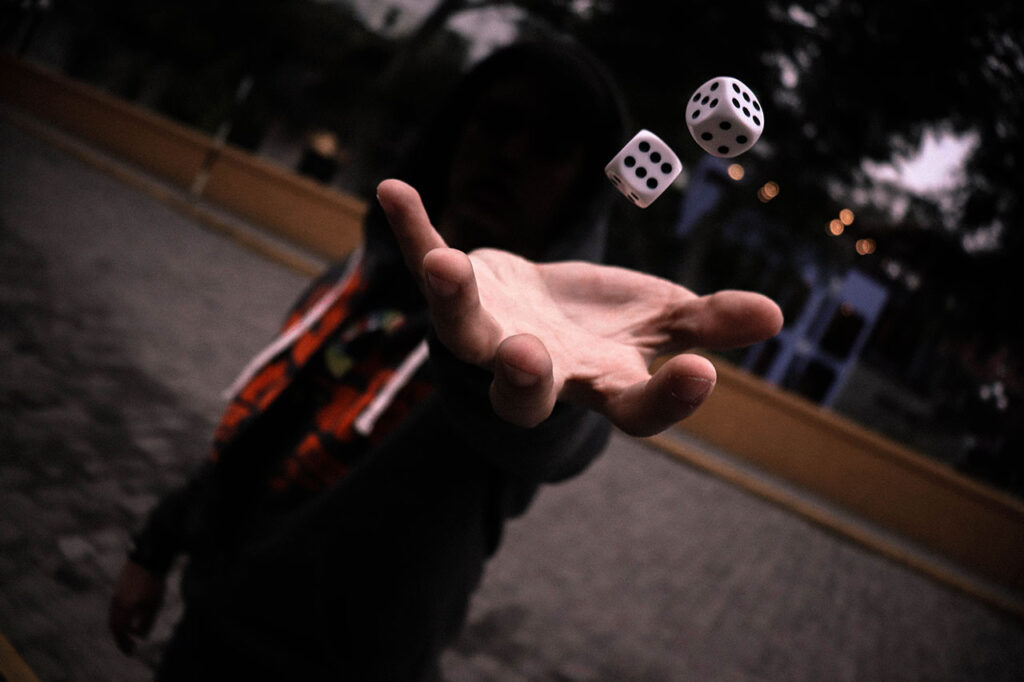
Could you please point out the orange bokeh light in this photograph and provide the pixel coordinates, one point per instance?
(865, 246)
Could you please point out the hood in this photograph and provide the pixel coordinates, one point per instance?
(579, 94)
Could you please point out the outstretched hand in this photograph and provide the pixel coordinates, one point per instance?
(573, 331)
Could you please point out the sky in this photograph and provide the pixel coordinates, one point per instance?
(374, 11)
(485, 28)
(937, 165)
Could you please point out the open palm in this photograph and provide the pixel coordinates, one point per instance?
(573, 331)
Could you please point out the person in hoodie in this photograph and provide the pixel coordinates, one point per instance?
(471, 351)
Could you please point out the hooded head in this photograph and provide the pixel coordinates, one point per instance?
(515, 158)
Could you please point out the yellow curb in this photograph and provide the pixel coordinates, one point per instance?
(12, 666)
(859, 533)
(251, 238)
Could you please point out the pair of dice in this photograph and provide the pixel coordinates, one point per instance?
(724, 118)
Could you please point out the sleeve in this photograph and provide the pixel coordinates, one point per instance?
(167, 530)
(560, 447)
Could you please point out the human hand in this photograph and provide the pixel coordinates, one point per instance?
(573, 331)
(138, 596)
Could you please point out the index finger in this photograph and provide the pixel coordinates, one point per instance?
(409, 221)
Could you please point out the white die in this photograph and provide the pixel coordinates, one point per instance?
(644, 168)
(724, 117)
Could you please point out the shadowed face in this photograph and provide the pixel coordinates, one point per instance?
(514, 170)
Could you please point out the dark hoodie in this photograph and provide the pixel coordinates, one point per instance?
(370, 577)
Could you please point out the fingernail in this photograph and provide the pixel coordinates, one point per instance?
(693, 390)
(519, 377)
(384, 204)
(441, 287)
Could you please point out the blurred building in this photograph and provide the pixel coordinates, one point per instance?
(862, 336)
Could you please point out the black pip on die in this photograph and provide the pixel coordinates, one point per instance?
(724, 117)
(644, 168)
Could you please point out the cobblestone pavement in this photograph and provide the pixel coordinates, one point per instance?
(120, 321)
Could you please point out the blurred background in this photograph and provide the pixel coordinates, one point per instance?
(881, 207)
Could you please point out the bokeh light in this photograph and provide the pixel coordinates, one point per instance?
(768, 191)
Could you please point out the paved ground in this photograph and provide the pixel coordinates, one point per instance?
(120, 321)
